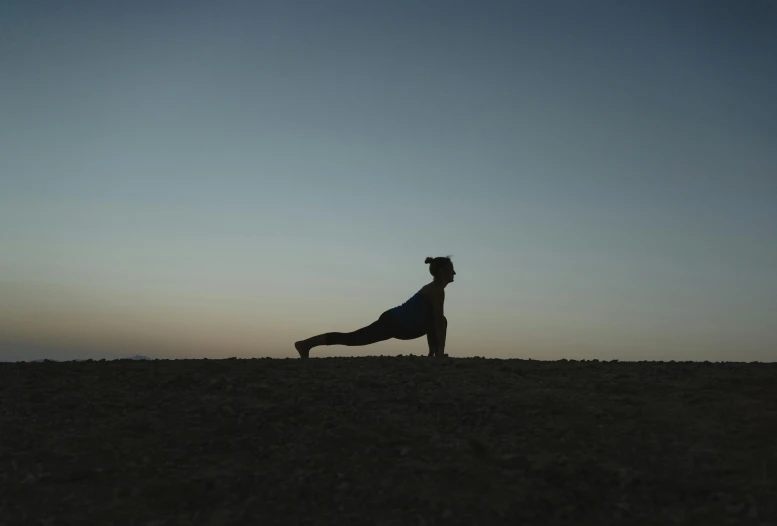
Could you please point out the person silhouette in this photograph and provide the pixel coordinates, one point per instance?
(422, 314)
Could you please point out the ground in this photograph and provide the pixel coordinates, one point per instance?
(405, 440)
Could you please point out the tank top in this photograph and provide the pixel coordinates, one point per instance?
(415, 312)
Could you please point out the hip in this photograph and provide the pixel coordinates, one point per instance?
(405, 329)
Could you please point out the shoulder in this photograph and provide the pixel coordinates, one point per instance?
(432, 293)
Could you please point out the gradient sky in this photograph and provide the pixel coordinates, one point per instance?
(192, 179)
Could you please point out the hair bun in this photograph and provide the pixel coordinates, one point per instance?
(428, 260)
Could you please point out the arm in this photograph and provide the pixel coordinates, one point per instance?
(438, 318)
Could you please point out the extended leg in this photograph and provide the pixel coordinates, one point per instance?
(377, 331)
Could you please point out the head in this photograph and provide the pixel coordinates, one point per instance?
(441, 268)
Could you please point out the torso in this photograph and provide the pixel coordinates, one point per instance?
(409, 314)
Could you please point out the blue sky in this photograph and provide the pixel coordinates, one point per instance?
(221, 179)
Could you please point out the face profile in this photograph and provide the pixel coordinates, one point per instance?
(451, 273)
(445, 274)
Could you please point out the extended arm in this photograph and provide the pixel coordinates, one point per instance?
(440, 323)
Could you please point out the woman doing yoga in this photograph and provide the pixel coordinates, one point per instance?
(420, 315)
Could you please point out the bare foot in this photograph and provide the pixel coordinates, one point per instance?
(302, 349)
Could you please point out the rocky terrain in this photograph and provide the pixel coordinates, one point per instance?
(402, 440)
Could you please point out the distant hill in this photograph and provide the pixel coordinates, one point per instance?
(136, 357)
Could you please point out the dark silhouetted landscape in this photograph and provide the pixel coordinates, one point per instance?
(401, 440)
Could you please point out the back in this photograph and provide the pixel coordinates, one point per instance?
(415, 312)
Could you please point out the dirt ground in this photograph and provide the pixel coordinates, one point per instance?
(404, 440)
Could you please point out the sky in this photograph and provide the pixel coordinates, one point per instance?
(216, 179)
